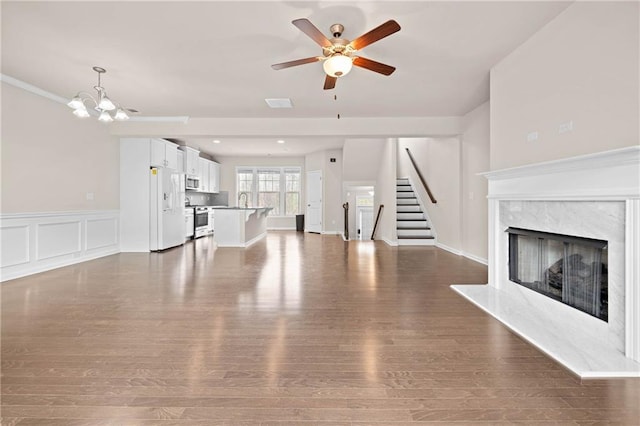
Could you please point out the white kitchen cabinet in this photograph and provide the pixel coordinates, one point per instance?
(214, 177)
(164, 154)
(204, 174)
(180, 161)
(188, 223)
(191, 160)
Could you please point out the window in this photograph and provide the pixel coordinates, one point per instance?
(269, 190)
(292, 188)
(245, 188)
(276, 187)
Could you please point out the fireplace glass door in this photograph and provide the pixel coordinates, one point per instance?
(572, 270)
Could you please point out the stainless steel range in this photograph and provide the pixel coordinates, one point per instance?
(201, 222)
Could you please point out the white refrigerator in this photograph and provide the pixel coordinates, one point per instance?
(167, 209)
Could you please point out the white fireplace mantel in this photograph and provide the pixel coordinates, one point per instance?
(594, 189)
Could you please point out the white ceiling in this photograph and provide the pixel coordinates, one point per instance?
(212, 59)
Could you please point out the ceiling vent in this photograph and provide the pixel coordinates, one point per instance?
(279, 102)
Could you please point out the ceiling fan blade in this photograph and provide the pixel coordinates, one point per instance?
(295, 63)
(375, 34)
(312, 31)
(330, 82)
(373, 65)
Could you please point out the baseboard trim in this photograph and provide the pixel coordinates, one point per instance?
(44, 268)
(475, 258)
(389, 242)
(469, 256)
(449, 249)
(331, 233)
(42, 241)
(281, 228)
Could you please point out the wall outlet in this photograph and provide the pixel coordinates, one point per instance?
(565, 127)
(89, 196)
(533, 136)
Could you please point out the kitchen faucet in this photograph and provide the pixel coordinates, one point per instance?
(246, 199)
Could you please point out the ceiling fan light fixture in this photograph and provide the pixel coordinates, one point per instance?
(338, 65)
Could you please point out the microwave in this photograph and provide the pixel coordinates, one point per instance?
(192, 182)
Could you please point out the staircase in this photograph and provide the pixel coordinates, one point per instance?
(411, 223)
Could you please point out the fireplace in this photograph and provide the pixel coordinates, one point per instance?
(572, 270)
(566, 275)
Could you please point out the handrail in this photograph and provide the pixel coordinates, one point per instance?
(375, 226)
(424, 182)
(345, 206)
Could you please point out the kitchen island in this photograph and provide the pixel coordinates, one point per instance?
(240, 226)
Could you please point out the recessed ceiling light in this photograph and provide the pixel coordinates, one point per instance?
(279, 102)
(280, 141)
(216, 141)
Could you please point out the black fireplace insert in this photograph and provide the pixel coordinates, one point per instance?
(572, 270)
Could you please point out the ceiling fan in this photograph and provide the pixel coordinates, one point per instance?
(340, 54)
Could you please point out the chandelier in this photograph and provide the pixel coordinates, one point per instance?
(101, 103)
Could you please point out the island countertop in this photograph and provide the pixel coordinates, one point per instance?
(239, 226)
(240, 208)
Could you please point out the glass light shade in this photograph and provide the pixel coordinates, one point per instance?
(76, 103)
(338, 65)
(105, 103)
(81, 112)
(121, 115)
(105, 117)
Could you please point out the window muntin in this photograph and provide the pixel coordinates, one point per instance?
(276, 187)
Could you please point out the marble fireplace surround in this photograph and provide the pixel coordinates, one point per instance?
(594, 196)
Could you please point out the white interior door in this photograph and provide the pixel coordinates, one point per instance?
(313, 220)
(365, 222)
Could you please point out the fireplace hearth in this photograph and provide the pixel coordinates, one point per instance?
(572, 270)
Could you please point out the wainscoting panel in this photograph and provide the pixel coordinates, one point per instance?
(101, 233)
(37, 242)
(57, 239)
(15, 245)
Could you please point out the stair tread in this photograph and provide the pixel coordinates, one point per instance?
(415, 237)
(414, 228)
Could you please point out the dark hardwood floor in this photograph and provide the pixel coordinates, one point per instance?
(298, 329)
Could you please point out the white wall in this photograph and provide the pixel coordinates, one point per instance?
(386, 193)
(332, 202)
(439, 162)
(228, 181)
(475, 159)
(581, 67)
(361, 158)
(52, 159)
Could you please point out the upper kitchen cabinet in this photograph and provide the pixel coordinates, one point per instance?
(180, 161)
(164, 154)
(191, 161)
(214, 177)
(204, 174)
